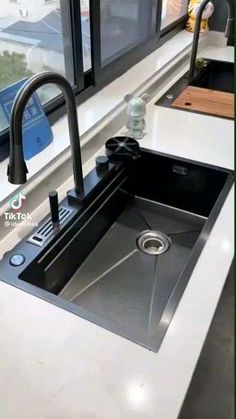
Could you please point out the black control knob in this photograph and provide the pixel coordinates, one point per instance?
(54, 207)
(102, 163)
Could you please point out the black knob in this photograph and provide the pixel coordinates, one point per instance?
(102, 163)
(54, 207)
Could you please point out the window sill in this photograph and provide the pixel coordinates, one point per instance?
(96, 112)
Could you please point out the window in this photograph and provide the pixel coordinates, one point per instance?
(172, 10)
(86, 34)
(124, 25)
(89, 41)
(35, 37)
(30, 42)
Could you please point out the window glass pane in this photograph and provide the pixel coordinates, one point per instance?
(31, 41)
(124, 25)
(86, 34)
(172, 10)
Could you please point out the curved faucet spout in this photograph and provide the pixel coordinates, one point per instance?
(17, 169)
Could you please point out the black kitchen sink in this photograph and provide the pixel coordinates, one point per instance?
(209, 74)
(216, 75)
(124, 259)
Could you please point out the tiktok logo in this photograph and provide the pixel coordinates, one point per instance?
(16, 217)
(17, 201)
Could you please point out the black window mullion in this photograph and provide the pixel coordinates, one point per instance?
(159, 13)
(95, 27)
(72, 35)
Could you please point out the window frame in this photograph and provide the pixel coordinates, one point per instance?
(90, 82)
(121, 64)
(179, 22)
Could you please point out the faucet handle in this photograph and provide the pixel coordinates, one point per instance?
(54, 207)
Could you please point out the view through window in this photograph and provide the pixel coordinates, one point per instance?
(31, 41)
(36, 35)
(172, 10)
(125, 24)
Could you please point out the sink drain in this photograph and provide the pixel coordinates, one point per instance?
(152, 242)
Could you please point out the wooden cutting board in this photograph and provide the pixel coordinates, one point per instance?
(207, 101)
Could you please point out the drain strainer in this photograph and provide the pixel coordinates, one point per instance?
(152, 242)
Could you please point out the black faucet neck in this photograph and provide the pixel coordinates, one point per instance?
(17, 169)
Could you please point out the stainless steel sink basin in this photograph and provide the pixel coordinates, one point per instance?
(130, 286)
(123, 260)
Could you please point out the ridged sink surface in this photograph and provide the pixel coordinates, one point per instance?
(123, 259)
(127, 288)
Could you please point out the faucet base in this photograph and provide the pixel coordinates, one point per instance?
(93, 184)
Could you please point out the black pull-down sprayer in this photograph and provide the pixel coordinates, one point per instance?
(17, 169)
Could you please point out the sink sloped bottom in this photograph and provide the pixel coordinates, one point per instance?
(126, 289)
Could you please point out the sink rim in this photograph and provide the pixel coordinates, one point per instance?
(83, 313)
(177, 88)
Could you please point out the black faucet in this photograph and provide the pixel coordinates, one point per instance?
(229, 33)
(17, 169)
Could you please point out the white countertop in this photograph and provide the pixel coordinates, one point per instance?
(55, 365)
(192, 136)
